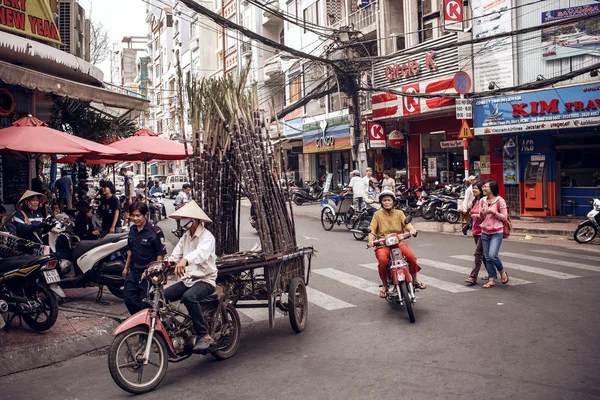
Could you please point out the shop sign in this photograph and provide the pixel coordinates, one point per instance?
(29, 17)
(376, 135)
(453, 15)
(292, 128)
(562, 108)
(396, 139)
(464, 109)
(332, 134)
(410, 67)
(451, 143)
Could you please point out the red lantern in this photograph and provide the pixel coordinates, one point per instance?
(396, 139)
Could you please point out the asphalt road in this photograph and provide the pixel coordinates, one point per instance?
(534, 338)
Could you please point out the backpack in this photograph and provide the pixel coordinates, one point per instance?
(507, 224)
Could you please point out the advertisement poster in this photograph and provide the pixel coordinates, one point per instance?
(32, 18)
(431, 167)
(328, 135)
(561, 108)
(484, 165)
(494, 59)
(509, 160)
(573, 39)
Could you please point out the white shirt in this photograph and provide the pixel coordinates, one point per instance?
(182, 198)
(199, 251)
(469, 197)
(359, 187)
(389, 184)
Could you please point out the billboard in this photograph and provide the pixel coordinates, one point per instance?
(332, 134)
(572, 39)
(561, 108)
(31, 18)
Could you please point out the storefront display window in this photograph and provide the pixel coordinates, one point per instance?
(579, 161)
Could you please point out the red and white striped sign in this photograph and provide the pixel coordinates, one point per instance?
(387, 105)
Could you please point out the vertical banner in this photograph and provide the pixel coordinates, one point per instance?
(509, 160)
(453, 15)
(493, 60)
(484, 165)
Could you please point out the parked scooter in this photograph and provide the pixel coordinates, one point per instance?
(145, 343)
(311, 192)
(26, 290)
(155, 202)
(587, 230)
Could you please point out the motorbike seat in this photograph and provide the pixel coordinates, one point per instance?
(10, 263)
(214, 296)
(86, 245)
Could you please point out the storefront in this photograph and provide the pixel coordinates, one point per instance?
(386, 149)
(292, 144)
(548, 141)
(327, 149)
(429, 124)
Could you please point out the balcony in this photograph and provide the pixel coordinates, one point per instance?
(273, 66)
(270, 18)
(246, 48)
(363, 20)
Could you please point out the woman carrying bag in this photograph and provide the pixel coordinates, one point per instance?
(494, 213)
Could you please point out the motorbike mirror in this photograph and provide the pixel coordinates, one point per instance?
(408, 220)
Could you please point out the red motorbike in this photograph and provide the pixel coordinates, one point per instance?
(400, 284)
(146, 342)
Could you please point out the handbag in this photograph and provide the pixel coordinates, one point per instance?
(507, 224)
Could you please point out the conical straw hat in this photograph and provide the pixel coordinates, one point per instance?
(31, 193)
(191, 210)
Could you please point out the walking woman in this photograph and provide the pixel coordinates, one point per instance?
(476, 218)
(494, 212)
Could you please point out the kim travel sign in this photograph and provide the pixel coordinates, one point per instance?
(561, 108)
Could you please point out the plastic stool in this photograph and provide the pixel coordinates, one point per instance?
(569, 204)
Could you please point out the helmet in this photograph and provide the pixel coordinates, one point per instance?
(386, 192)
(374, 180)
(355, 172)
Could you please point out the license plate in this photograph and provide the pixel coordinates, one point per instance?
(51, 276)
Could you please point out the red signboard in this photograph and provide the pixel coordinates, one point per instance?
(411, 105)
(453, 15)
(396, 139)
(376, 135)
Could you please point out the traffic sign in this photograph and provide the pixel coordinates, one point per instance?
(464, 109)
(376, 135)
(462, 82)
(396, 139)
(465, 131)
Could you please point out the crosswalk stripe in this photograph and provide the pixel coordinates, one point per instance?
(325, 301)
(562, 253)
(551, 261)
(526, 268)
(463, 270)
(348, 279)
(258, 314)
(433, 282)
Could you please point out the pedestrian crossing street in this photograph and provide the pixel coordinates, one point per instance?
(333, 289)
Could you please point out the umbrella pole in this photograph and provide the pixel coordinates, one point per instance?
(146, 178)
(114, 178)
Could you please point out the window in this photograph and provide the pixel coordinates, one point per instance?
(338, 101)
(295, 88)
(311, 15)
(292, 10)
(313, 76)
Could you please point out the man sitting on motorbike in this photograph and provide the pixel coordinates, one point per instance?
(196, 268)
(372, 197)
(386, 221)
(29, 220)
(158, 189)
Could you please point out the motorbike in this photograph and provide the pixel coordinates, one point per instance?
(410, 200)
(85, 263)
(401, 289)
(155, 203)
(587, 230)
(311, 192)
(146, 342)
(26, 290)
(338, 209)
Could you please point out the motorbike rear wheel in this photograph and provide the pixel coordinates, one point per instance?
(452, 216)
(407, 301)
(233, 340)
(429, 210)
(327, 219)
(297, 200)
(116, 291)
(360, 224)
(48, 313)
(585, 233)
(126, 347)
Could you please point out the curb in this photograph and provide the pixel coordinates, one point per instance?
(23, 358)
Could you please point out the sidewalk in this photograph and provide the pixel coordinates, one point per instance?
(82, 326)
(523, 226)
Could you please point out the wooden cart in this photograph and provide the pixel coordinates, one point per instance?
(278, 281)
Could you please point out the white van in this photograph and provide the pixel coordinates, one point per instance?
(173, 185)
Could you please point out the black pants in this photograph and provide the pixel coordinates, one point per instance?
(190, 297)
(135, 292)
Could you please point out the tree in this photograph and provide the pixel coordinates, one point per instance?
(99, 42)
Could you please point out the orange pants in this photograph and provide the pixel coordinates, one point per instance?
(383, 256)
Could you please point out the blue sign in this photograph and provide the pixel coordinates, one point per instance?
(292, 128)
(462, 82)
(561, 108)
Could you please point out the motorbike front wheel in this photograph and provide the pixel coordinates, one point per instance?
(155, 217)
(585, 233)
(44, 316)
(116, 291)
(327, 219)
(125, 360)
(407, 301)
(360, 224)
(429, 210)
(452, 216)
(297, 200)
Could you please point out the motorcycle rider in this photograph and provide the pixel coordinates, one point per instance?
(184, 196)
(386, 221)
(158, 189)
(29, 220)
(358, 186)
(372, 198)
(196, 268)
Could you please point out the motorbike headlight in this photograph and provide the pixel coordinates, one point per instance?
(391, 241)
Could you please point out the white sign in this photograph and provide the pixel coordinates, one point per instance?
(464, 109)
(451, 143)
(431, 167)
(493, 60)
(538, 157)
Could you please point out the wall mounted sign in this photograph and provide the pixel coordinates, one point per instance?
(328, 135)
(377, 135)
(29, 17)
(453, 15)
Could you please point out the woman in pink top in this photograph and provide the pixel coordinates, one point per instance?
(494, 212)
(476, 230)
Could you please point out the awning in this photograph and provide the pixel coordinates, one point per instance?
(15, 75)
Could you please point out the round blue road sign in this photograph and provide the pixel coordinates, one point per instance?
(462, 82)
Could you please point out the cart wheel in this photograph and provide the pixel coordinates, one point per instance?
(297, 305)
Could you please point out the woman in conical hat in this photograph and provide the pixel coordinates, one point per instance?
(196, 268)
(29, 221)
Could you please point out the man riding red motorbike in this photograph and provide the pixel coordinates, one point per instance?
(386, 221)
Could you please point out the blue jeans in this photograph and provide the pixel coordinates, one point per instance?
(491, 247)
